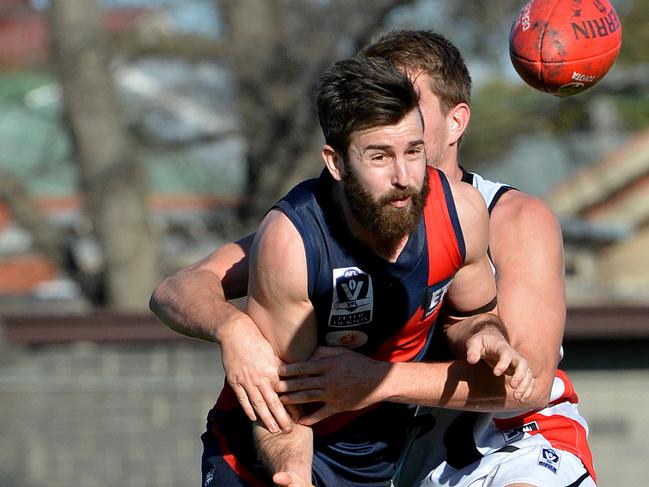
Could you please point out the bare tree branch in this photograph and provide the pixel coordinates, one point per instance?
(133, 45)
(46, 238)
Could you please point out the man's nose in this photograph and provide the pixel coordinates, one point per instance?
(401, 175)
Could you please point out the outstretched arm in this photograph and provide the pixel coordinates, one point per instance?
(278, 303)
(193, 302)
(527, 250)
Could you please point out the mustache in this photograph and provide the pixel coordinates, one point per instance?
(398, 194)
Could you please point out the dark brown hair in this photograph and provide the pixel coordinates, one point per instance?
(361, 93)
(415, 51)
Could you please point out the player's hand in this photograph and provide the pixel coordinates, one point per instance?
(251, 367)
(289, 479)
(341, 379)
(490, 345)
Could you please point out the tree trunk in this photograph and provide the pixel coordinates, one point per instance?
(277, 51)
(113, 179)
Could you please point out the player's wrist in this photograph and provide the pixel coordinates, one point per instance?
(489, 322)
(233, 324)
(392, 378)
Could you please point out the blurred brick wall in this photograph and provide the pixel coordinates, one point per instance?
(108, 415)
(131, 415)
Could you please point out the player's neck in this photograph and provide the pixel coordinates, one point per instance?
(451, 169)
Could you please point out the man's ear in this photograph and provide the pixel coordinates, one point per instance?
(458, 120)
(333, 162)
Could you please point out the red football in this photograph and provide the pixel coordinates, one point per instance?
(564, 47)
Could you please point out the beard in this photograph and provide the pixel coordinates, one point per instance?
(387, 223)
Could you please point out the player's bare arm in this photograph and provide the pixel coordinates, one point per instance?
(193, 302)
(185, 300)
(278, 303)
(527, 249)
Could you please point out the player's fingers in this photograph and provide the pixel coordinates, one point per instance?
(473, 351)
(282, 478)
(303, 397)
(504, 360)
(301, 384)
(324, 352)
(530, 389)
(276, 407)
(288, 479)
(242, 397)
(520, 370)
(299, 368)
(526, 387)
(317, 416)
(262, 411)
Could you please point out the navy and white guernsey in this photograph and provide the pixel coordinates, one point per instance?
(380, 309)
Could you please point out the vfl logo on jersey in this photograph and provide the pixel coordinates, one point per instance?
(353, 300)
(434, 295)
(550, 459)
(517, 433)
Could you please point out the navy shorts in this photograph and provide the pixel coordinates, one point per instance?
(230, 459)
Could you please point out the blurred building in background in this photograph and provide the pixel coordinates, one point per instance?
(191, 148)
(605, 214)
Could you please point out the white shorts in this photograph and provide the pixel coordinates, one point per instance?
(537, 465)
(547, 447)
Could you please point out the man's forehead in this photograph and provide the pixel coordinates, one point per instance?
(408, 131)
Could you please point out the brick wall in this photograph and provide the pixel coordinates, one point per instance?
(90, 416)
(131, 415)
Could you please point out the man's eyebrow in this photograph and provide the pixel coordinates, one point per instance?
(388, 147)
(385, 147)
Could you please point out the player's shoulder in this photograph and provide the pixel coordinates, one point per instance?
(466, 194)
(473, 217)
(470, 207)
(278, 256)
(276, 234)
(516, 209)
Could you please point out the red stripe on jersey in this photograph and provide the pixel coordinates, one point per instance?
(444, 256)
(444, 259)
(405, 345)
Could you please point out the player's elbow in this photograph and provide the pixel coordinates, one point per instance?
(155, 301)
(160, 300)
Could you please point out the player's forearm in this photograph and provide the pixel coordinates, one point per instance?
(282, 452)
(536, 328)
(192, 302)
(449, 385)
